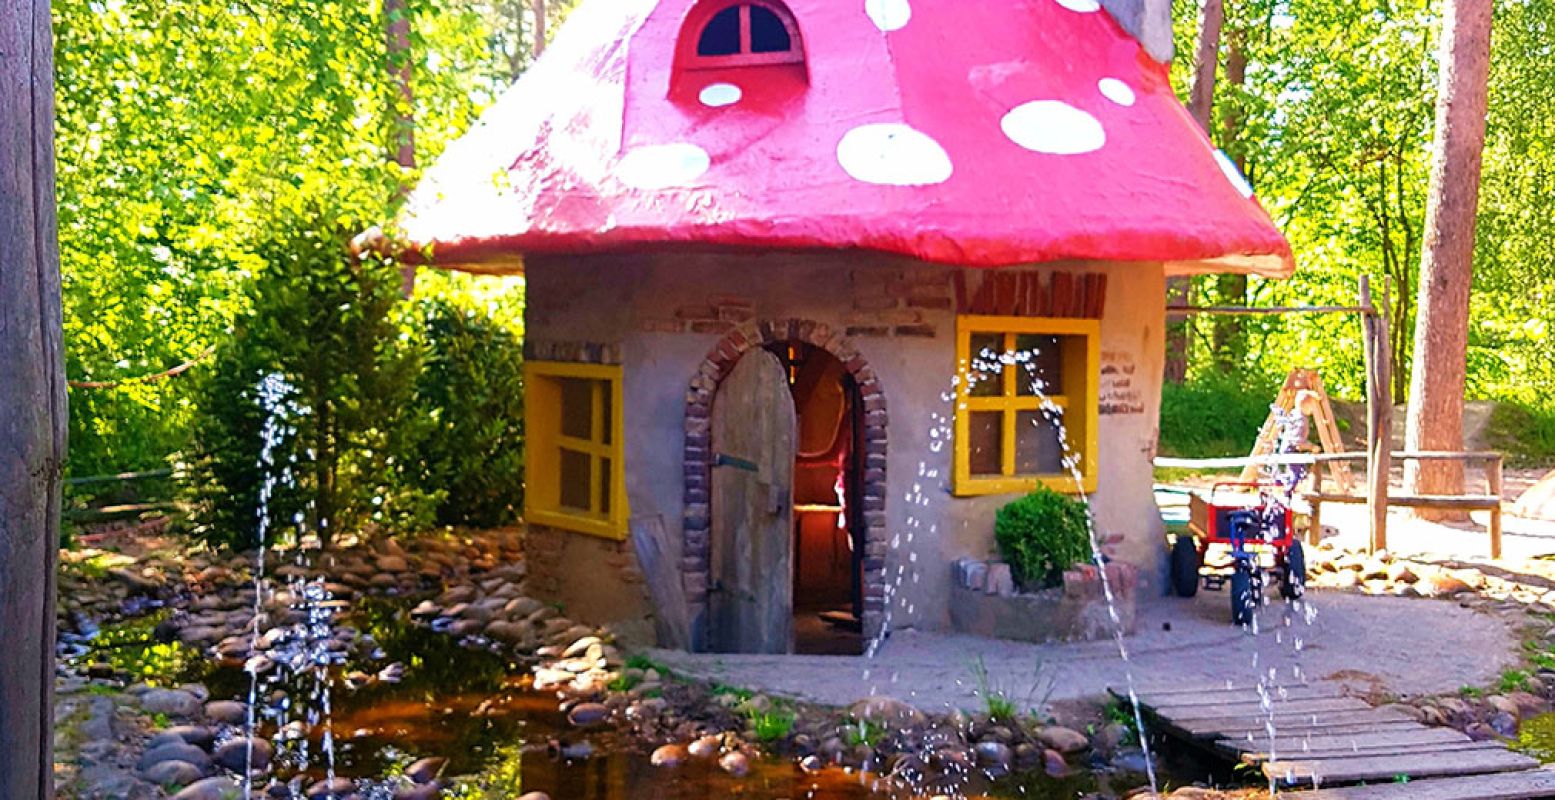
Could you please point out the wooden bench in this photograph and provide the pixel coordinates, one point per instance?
(1490, 501)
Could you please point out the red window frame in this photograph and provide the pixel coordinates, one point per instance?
(703, 13)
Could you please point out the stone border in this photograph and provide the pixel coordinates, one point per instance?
(720, 360)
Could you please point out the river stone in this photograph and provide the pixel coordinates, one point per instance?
(108, 781)
(1064, 740)
(577, 751)
(424, 791)
(175, 751)
(670, 755)
(584, 714)
(521, 607)
(334, 788)
(1053, 764)
(887, 710)
(197, 735)
(229, 711)
(735, 763)
(218, 788)
(513, 633)
(706, 747)
(425, 770)
(534, 796)
(172, 702)
(234, 753)
(994, 754)
(173, 774)
(392, 564)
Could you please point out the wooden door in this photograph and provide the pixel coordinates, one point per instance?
(750, 602)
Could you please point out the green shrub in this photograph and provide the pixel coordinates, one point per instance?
(1214, 415)
(1041, 535)
(328, 325)
(469, 402)
(1526, 434)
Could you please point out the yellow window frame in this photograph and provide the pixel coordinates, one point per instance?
(1078, 362)
(545, 441)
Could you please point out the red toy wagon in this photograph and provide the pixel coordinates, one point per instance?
(1246, 518)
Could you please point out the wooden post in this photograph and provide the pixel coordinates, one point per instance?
(32, 400)
(1493, 478)
(1379, 415)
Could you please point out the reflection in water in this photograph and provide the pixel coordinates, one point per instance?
(479, 710)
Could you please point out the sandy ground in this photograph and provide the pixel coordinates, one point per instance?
(1398, 645)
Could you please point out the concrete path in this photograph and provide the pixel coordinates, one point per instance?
(1399, 645)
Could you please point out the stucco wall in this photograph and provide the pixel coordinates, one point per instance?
(660, 315)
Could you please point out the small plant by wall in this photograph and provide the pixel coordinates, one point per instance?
(1041, 535)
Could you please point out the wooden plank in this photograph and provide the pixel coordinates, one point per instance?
(1388, 750)
(658, 554)
(32, 399)
(1294, 721)
(1507, 786)
(1331, 729)
(1386, 768)
(1469, 501)
(1293, 745)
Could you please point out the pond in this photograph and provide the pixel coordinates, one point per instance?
(480, 711)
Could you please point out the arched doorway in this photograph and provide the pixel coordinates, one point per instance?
(831, 545)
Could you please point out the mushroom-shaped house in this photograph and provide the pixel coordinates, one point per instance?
(815, 286)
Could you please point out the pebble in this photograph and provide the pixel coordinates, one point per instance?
(994, 754)
(218, 788)
(230, 712)
(585, 714)
(1064, 740)
(670, 755)
(425, 770)
(708, 746)
(234, 754)
(338, 787)
(175, 751)
(172, 702)
(173, 774)
(1053, 764)
(735, 763)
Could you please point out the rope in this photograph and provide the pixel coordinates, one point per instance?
(167, 373)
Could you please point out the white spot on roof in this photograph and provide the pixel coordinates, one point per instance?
(1117, 91)
(1233, 174)
(660, 166)
(1053, 127)
(888, 15)
(893, 154)
(718, 95)
(1082, 6)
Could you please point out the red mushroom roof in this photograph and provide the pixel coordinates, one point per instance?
(975, 132)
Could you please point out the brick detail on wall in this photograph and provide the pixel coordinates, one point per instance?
(697, 523)
(893, 302)
(572, 352)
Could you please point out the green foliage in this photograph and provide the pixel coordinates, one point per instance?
(324, 322)
(1000, 700)
(1512, 680)
(1526, 434)
(862, 731)
(1121, 712)
(470, 397)
(1214, 414)
(1041, 535)
(773, 724)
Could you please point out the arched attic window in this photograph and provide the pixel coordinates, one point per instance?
(721, 34)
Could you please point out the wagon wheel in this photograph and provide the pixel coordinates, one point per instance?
(1185, 566)
(1293, 583)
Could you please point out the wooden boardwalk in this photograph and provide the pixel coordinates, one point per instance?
(1325, 739)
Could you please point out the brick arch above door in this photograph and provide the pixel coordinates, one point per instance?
(697, 523)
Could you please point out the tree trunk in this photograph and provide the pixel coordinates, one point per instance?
(539, 11)
(1436, 386)
(402, 141)
(32, 400)
(1201, 104)
(1226, 331)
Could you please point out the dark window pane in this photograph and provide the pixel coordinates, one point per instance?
(605, 410)
(577, 408)
(1038, 450)
(576, 480)
(721, 37)
(986, 375)
(985, 443)
(1045, 364)
(604, 486)
(767, 32)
